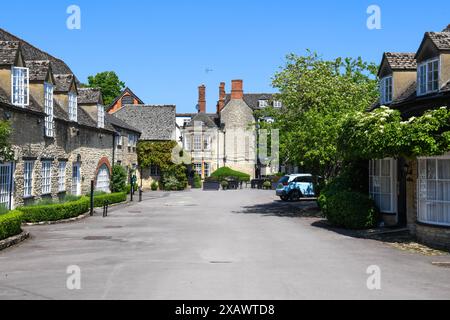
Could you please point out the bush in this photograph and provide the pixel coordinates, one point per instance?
(10, 224)
(70, 198)
(101, 200)
(154, 186)
(118, 179)
(55, 212)
(225, 172)
(267, 185)
(128, 188)
(174, 178)
(224, 185)
(197, 181)
(350, 209)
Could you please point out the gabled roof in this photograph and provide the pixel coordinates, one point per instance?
(89, 96)
(252, 99)
(401, 60)
(30, 52)
(63, 82)
(39, 69)
(209, 120)
(126, 90)
(157, 123)
(118, 123)
(441, 40)
(8, 52)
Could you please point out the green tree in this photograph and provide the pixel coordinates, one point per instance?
(109, 83)
(118, 179)
(6, 153)
(317, 95)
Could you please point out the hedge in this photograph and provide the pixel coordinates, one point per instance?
(226, 172)
(10, 224)
(100, 201)
(55, 212)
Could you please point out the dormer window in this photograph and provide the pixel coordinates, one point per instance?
(386, 90)
(48, 104)
(277, 104)
(20, 94)
(73, 107)
(263, 103)
(428, 77)
(100, 116)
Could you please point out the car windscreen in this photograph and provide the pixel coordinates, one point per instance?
(284, 180)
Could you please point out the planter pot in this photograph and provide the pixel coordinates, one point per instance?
(208, 186)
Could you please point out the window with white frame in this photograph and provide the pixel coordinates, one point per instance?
(62, 176)
(20, 94)
(119, 140)
(206, 142)
(277, 104)
(103, 181)
(263, 103)
(428, 77)
(5, 185)
(48, 104)
(198, 168)
(187, 143)
(197, 142)
(382, 180)
(73, 106)
(434, 191)
(46, 177)
(100, 116)
(207, 169)
(28, 178)
(386, 90)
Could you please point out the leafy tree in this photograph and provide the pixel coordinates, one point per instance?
(6, 153)
(109, 83)
(317, 95)
(118, 179)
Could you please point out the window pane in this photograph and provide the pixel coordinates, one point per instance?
(444, 169)
(431, 169)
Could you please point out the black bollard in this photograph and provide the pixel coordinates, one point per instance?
(140, 194)
(92, 198)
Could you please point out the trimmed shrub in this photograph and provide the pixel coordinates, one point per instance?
(70, 198)
(267, 185)
(55, 212)
(154, 186)
(101, 200)
(224, 185)
(118, 179)
(174, 178)
(197, 182)
(350, 209)
(228, 173)
(10, 224)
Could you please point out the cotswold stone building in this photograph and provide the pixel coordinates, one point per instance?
(416, 193)
(227, 137)
(60, 137)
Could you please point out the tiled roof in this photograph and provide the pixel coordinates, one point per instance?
(447, 29)
(89, 96)
(63, 82)
(401, 61)
(8, 52)
(38, 69)
(205, 118)
(33, 106)
(118, 123)
(157, 123)
(252, 99)
(130, 92)
(30, 52)
(440, 39)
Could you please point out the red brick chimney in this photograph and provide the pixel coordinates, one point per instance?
(222, 97)
(237, 91)
(202, 99)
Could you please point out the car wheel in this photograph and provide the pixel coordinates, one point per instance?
(284, 198)
(295, 195)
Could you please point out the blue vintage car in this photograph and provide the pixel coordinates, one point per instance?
(295, 186)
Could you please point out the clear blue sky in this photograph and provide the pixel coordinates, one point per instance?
(162, 48)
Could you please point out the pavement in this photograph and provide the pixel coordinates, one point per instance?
(217, 245)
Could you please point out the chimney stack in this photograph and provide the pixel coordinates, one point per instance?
(222, 97)
(237, 91)
(202, 99)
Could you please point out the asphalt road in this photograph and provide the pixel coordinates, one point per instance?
(212, 245)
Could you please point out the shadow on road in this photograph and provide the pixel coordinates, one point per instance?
(301, 209)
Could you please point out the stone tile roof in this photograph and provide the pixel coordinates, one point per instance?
(8, 52)
(120, 124)
(401, 60)
(210, 120)
(63, 82)
(33, 106)
(89, 96)
(157, 123)
(440, 39)
(252, 99)
(30, 52)
(38, 69)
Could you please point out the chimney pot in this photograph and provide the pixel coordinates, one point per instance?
(237, 91)
(222, 97)
(202, 99)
